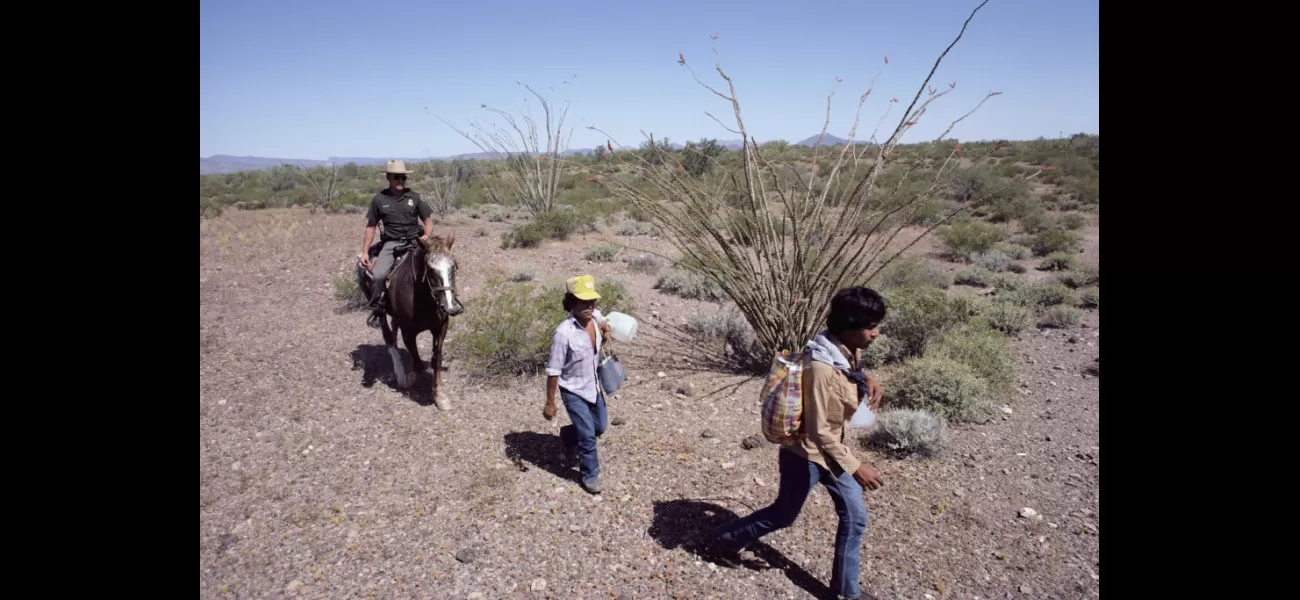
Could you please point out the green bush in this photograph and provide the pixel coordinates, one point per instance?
(1081, 276)
(910, 271)
(1043, 294)
(1055, 240)
(347, 291)
(1072, 220)
(1090, 298)
(507, 331)
(1057, 261)
(1060, 317)
(917, 317)
(1015, 251)
(995, 260)
(964, 238)
(945, 387)
(644, 264)
(984, 349)
(603, 253)
(691, 285)
(977, 276)
(1008, 317)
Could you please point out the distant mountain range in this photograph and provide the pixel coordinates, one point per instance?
(224, 163)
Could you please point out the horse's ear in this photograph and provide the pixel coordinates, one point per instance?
(425, 242)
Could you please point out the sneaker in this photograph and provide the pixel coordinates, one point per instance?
(592, 487)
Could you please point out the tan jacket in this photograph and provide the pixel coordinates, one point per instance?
(829, 401)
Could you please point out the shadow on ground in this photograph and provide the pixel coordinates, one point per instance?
(375, 365)
(543, 450)
(689, 525)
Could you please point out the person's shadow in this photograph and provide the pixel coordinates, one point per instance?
(690, 525)
(540, 449)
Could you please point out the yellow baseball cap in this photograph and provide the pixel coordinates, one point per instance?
(583, 287)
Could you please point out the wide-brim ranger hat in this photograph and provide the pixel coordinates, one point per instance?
(397, 167)
(583, 287)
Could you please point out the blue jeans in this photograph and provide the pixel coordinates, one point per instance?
(798, 476)
(589, 422)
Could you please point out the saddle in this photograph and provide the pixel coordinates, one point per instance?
(400, 255)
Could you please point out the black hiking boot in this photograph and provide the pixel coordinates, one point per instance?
(376, 318)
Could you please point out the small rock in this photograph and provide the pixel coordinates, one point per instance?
(708, 434)
(235, 466)
(294, 586)
(1024, 589)
(728, 465)
(1007, 410)
(752, 442)
(1048, 438)
(661, 374)
(476, 596)
(1059, 368)
(686, 389)
(226, 540)
(539, 584)
(760, 482)
(1074, 339)
(1029, 513)
(959, 492)
(467, 555)
(575, 527)
(617, 421)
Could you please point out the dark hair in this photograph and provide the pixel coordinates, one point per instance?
(855, 308)
(568, 302)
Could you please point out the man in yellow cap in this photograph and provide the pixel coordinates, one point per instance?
(401, 211)
(571, 370)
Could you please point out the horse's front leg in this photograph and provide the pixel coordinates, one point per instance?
(390, 340)
(408, 338)
(438, 397)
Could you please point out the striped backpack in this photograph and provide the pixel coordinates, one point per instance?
(783, 399)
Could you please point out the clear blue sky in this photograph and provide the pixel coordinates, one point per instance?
(309, 79)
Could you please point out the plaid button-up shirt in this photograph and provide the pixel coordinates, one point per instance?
(573, 359)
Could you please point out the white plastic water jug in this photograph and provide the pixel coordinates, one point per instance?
(623, 327)
(864, 416)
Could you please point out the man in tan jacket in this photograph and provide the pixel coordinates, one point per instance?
(834, 388)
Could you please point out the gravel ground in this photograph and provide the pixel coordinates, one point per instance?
(318, 478)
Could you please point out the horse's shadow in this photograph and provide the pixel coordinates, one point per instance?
(375, 364)
(691, 524)
(542, 450)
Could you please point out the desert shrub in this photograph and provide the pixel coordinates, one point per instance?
(522, 275)
(1057, 261)
(644, 264)
(907, 432)
(1007, 317)
(633, 227)
(984, 349)
(527, 235)
(603, 253)
(507, 330)
(1083, 275)
(726, 333)
(963, 238)
(879, 352)
(916, 317)
(348, 292)
(1015, 251)
(1060, 317)
(911, 271)
(1072, 220)
(977, 276)
(1016, 268)
(1006, 282)
(993, 260)
(691, 285)
(945, 387)
(480, 232)
(1090, 298)
(1043, 294)
(1048, 241)
(1035, 221)
(558, 224)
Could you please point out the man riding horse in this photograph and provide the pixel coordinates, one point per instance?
(401, 211)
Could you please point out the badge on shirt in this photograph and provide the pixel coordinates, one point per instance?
(410, 201)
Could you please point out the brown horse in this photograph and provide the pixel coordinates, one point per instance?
(421, 296)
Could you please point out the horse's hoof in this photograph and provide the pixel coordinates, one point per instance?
(442, 403)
